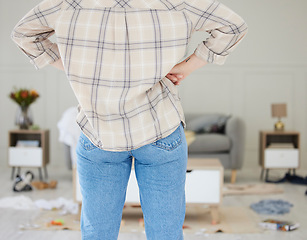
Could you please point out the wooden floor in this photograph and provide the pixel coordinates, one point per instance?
(10, 219)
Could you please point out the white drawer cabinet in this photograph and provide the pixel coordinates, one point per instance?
(25, 157)
(28, 156)
(279, 150)
(281, 158)
(203, 186)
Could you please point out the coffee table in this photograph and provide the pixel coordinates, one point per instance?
(204, 183)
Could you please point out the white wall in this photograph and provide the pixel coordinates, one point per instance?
(268, 66)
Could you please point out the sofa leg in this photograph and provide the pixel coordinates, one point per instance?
(233, 175)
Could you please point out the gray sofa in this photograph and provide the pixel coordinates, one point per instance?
(218, 136)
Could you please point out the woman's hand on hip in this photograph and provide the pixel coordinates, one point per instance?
(181, 70)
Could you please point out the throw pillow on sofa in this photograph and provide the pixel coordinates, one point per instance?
(208, 123)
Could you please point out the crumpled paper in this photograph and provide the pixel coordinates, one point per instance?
(25, 203)
(67, 206)
(19, 202)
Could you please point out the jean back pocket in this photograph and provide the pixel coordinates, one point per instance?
(170, 142)
(86, 143)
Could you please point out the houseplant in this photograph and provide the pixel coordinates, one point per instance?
(24, 98)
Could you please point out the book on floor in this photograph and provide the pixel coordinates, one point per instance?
(279, 225)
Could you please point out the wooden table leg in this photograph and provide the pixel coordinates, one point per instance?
(79, 212)
(233, 176)
(215, 216)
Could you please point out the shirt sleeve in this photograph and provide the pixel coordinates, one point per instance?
(225, 27)
(32, 32)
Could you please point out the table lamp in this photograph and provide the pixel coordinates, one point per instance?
(279, 110)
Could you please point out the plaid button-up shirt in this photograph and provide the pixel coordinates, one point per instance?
(116, 54)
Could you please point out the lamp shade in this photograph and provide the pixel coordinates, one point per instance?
(279, 110)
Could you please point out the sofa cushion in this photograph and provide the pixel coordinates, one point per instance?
(210, 143)
(208, 123)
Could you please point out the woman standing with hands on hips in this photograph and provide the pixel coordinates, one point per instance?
(123, 59)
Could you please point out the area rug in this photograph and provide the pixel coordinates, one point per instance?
(198, 220)
(251, 189)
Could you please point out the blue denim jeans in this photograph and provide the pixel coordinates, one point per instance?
(160, 170)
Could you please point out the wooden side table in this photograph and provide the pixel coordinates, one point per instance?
(28, 148)
(279, 150)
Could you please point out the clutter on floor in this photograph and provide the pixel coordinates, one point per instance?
(40, 185)
(271, 207)
(53, 220)
(250, 189)
(274, 224)
(23, 182)
(54, 214)
(198, 220)
(20, 202)
(291, 178)
(57, 222)
(64, 206)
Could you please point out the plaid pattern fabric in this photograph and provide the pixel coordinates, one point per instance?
(116, 54)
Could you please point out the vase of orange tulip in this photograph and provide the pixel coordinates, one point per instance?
(24, 98)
